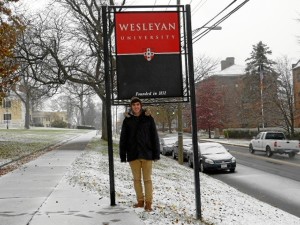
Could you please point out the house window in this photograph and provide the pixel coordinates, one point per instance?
(6, 103)
(7, 116)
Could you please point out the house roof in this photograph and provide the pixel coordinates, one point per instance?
(234, 70)
(297, 65)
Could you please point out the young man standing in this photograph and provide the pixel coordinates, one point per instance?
(139, 145)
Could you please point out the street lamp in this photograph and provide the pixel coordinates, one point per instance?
(207, 28)
(197, 36)
(213, 28)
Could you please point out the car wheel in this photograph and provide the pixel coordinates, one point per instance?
(173, 154)
(251, 150)
(232, 170)
(268, 151)
(190, 162)
(292, 155)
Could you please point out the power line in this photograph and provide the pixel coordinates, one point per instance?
(206, 24)
(199, 36)
(198, 6)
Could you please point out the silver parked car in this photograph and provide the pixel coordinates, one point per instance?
(166, 145)
(186, 145)
(213, 156)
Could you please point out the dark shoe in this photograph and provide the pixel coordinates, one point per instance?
(148, 207)
(139, 204)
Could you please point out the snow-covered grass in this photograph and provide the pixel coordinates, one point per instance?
(18, 142)
(174, 197)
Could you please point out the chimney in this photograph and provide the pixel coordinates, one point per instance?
(229, 61)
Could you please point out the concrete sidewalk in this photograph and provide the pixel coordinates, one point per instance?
(38, 193)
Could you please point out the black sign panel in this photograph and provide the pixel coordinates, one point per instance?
(160, 77)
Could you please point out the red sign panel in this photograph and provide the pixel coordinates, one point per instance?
(147, 33)
(148, 54)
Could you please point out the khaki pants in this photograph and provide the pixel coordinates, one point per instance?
(139, 167)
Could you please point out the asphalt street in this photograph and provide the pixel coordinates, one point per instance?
(273, 180)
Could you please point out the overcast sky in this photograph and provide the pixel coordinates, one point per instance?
(271, 21)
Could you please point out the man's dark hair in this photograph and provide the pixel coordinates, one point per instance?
(134, 100)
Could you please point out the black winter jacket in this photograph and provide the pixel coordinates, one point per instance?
(139, 138)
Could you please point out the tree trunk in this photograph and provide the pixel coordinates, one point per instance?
(82, 117)
(27, 112)
(170, 125)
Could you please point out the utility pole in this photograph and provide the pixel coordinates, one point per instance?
(180, 134)
(261, 77)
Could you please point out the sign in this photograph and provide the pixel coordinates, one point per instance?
(148, 56)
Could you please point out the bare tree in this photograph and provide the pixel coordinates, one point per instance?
(90, 112)
(285, 99)
(204, 66)
(30, 90)
(165, 114)
(69, 44)
(66, 103)
(76, 99)
(80, 95)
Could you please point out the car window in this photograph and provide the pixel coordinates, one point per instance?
(212, 149)
(275, 136)
(168, 141)
(187, 142)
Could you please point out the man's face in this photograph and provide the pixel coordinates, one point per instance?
(136, 108)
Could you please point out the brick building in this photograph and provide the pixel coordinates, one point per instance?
(241, 110)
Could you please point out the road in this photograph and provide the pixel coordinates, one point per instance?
(275, 180)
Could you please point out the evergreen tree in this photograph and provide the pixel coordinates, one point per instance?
(259, 62)
(260, 87)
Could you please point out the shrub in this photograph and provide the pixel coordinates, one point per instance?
(37, 125)
(59, 124)
(85, 127)
(239, 133)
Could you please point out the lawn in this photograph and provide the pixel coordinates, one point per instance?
(15, 143)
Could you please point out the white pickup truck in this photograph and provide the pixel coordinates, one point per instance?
(274, 142)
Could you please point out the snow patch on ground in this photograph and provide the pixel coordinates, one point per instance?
(174, 196)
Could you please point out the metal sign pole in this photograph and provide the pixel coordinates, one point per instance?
(108, 108)
(193, 110)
